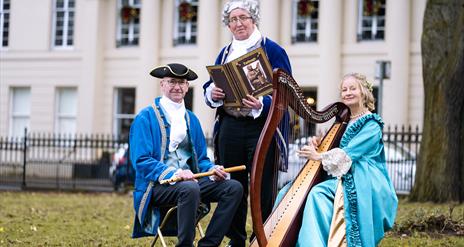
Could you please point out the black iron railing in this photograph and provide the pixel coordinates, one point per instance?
(90, 161)
(402, 145)
(41, 160)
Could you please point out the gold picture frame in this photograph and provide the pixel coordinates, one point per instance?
(248, 74)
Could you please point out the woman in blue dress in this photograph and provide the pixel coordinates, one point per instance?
(358, 203)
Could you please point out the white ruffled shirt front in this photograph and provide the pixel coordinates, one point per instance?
(240, 47)
(176, 117)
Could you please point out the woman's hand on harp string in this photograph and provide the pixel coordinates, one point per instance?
(309, 151)
(316, 140)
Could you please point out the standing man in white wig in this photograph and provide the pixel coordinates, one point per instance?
(237, 130)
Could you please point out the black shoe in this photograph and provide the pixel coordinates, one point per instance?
(234, 244)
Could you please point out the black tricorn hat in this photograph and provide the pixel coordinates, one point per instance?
(175, 70)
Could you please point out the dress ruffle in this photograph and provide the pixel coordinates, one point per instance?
(354, 129)
(354, 235)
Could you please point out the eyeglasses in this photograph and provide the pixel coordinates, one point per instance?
(242, 19)
(173, 82)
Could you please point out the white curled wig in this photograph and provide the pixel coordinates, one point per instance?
(252, 6)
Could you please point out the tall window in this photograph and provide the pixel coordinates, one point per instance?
(63, 23)
(20, 112)
(128, 23)
(124, 111)
(185, 22)
(4, 21)
(305, 14)
(66, 110)
(371, 19)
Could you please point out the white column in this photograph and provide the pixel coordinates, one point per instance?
(329, 39)
(148, 86)
(90, 90)
(398, 47)
(270, 19)
(209, 27)
(285, 31)
(350, 21)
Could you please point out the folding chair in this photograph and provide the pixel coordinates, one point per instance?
(168, 226)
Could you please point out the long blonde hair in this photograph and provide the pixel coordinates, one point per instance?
(366, 89)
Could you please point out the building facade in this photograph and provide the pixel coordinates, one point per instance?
(81, 66)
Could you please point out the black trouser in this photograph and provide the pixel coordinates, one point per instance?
(237, 141)
(187, 196)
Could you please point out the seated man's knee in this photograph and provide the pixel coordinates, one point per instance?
(190, 189)
(236, 187)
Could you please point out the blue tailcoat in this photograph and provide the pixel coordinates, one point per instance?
(146, 140)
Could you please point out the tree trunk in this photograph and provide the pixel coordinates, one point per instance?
(440, 170)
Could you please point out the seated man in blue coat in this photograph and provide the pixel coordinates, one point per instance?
(167, 141)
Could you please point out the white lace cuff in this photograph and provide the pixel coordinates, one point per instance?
(336, 162)
(256, 112)
(209, 99)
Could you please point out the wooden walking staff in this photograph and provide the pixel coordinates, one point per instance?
(204, 174)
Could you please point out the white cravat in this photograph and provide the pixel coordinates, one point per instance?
(240, 47)
(176, 116)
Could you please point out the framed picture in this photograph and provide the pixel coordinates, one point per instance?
(248, 74)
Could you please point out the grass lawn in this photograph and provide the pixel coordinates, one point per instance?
(105, 219)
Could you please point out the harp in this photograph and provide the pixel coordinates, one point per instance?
(282, 226)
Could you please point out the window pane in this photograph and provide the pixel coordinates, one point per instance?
(372, 19)
(18, 125)
(64, 22)
(126, 101)
(67, 125)
(125, 109)
(379, 35)
(66, 110)
(5, 19)
(128, 22)
(59, 3)
(20, 105)
(305, 20)
(21, 101)
(67, 101)
(123, 127)
(186, 15)
(6, 4)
